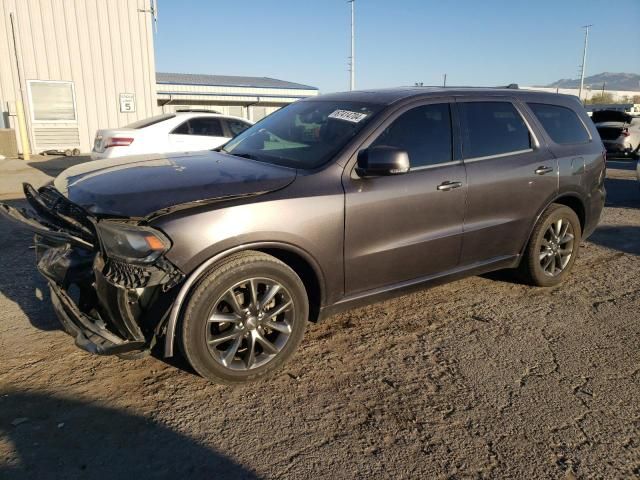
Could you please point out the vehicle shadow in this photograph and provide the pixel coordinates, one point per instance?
(20, 281)
(624, 238)
(54, 166)
(622, 192)
(54, 437)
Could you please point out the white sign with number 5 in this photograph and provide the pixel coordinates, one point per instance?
(127, 103)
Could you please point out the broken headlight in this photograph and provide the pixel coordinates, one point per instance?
(131, 243)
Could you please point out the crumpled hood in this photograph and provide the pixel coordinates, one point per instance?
(138, 186)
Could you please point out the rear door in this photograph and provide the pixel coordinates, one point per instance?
(408, 226)
(198, 133)
(510, 177)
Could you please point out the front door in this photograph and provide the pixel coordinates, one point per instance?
(407, 226)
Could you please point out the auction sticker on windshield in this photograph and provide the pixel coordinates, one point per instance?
(348, 116)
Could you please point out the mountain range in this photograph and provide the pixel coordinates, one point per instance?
(612, 81)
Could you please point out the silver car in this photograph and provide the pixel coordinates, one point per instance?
(619, 131)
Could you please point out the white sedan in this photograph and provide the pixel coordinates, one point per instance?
(183, 131)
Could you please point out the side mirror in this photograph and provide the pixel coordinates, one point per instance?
(382, 161)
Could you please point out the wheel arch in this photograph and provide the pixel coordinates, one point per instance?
(576, 204)
(571, 200)
(296, 258)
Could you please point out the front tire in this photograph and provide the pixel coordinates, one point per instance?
(245, 318)
(553, 247)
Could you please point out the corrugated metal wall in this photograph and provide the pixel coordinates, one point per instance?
(105, 47)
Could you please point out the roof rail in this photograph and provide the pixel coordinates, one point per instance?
(196, 110)
(513, 86)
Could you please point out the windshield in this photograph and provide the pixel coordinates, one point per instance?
(303, 135)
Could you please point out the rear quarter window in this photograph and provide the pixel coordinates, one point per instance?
(561, 123)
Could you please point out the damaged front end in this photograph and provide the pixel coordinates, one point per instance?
(111, 285)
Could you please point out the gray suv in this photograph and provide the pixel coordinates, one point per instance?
(329, 203)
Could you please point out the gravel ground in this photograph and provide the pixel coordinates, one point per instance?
(481, 378)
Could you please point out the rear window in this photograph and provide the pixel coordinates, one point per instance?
(492, 128)
(147, 122)
(561, 123)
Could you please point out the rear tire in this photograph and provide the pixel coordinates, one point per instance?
(552, 248)
(245, 318)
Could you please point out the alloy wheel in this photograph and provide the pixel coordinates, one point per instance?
(556, 247)
(250, 324)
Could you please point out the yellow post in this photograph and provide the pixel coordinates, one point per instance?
(22, 126)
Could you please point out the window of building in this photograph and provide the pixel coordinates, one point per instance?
(52, 101)
(561, 123)
(424, 132)
(492, 128)
(236, 111)
(258, 113)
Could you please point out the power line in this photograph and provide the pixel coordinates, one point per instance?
(352, 58)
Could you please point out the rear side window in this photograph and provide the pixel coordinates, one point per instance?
(492, 128)
(561, 123)
(424, 132)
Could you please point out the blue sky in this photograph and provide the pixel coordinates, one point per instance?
(398, 42)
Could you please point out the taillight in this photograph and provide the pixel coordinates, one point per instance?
(625, 132)
(118, 142)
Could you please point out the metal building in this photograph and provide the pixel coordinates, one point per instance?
(76, 66)
(71, 67)
(248, 97)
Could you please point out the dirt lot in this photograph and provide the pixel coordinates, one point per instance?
(480, 378)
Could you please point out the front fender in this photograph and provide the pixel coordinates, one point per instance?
(176, 308)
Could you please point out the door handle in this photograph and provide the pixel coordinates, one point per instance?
(449, 185)
(542, 170)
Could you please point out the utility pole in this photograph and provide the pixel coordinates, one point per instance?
(584, 59)
(444, 80)
(352, 58)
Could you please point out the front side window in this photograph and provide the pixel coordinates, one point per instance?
(423, 132)
(305, 134)
(236, 126)
(561, 123)
(492, 128)
(52, 101)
